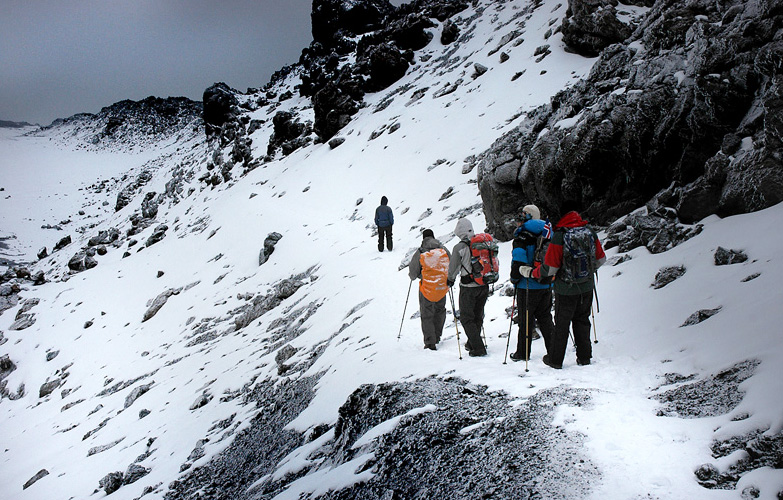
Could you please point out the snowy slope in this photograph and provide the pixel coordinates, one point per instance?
(346, 314)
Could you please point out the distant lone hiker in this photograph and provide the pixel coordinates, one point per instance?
(430, 263)
(384, 219)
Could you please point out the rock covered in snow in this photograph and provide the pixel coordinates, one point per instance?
(657, 107)
(269, 247)
(724, 257)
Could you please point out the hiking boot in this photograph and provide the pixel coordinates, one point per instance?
(582, 362)
(517, 357)
(477, 353)
(468, 347)
(535, 335)
(551, 364)
(431, 347)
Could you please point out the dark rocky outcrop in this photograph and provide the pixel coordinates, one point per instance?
(332, 20)
(592, 25)
(288, 133)
(220, 107)
(690, 105)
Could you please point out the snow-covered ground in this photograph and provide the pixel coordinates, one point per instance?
(322, 201)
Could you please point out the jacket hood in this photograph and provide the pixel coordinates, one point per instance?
(464, 229)
(384, 200)
(571, 219)
(430, 243)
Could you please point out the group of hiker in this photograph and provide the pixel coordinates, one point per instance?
(548, 264)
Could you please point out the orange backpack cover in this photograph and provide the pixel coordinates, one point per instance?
(434, 274)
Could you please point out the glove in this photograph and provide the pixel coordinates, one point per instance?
(450, 282)
(525, 271)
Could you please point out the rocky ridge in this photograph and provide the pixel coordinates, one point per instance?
(686, 110)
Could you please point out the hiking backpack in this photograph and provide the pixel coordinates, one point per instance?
(578, 255)
(484, 259)
(542, 245)
(434, 274)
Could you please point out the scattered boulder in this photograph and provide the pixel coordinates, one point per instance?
(449, 33)
(81, 261)
(111, 482)
(700, 316)
(269, 247)
(104, 237)
(137, 393)
(49, 387)
(666, 275)
(38, 475)
(125, 196)
(64, 241)
(42, 253)
(157, 235)
(335, 142)
(155, 305)
(6, 366)
(202, 400)
(149, 206)
(725, 257)
(134, 473)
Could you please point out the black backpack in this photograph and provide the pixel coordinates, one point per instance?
(578, 255)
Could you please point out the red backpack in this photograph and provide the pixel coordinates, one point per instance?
(484, 259)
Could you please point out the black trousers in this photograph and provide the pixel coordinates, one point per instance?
(471, 314)
(535, 309)
(385, 232)
(433, 317)
(572, 310)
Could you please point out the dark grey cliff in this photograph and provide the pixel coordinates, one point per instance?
(686, 112)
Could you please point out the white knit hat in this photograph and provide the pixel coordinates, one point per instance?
(533, 210)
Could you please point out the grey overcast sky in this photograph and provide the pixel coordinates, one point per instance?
(62, 57)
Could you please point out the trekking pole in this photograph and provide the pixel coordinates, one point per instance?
(527, 329)
(510, 325)
(405, 308)
(484, 334)
(597, 307)
(454, 312)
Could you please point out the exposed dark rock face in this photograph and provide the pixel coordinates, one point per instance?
(714, 395)
(333, 20)
(333, 110)
(288, 133)
(655, 231)
(452, 440)
(690, 104)
(383, 54)
(592, 25)
(760, 450)
(220, 107)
